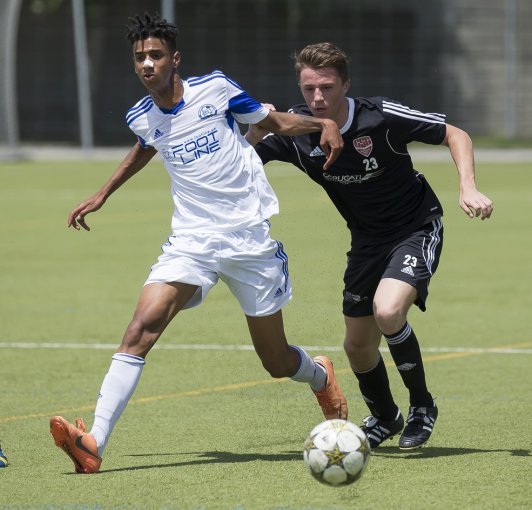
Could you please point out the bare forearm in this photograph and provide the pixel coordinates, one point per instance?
(302, 124)
(135, 160)
(290, 124)
(461, 149)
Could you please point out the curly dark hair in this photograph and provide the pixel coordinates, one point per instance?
(142, 27)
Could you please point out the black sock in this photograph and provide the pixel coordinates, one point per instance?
(375, 388)
(406, 354)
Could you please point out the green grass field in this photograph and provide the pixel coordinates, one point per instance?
(207, 428)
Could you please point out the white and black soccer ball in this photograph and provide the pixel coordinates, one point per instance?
(336, 452)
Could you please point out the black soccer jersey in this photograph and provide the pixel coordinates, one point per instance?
(372, 183)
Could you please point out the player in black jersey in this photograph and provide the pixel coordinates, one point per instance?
(395, 222)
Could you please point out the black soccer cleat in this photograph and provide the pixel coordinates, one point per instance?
(378, 430)
(419, 425)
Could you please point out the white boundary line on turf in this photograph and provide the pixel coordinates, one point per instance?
(220, 347)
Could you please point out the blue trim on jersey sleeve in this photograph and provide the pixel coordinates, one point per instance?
(205, 78)
(243, 103)
(198, 80)
(140, 104)
(135, 113)
(234, 83)
(142, 142)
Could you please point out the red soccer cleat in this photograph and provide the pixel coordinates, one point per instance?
(331, 399)
(78, 445)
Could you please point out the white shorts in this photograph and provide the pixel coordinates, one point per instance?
(252, 264)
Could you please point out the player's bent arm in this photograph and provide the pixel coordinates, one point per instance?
(472, 202)
(135, 160)
(255, 133)
(290, 124)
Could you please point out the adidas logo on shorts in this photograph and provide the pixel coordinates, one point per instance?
(408, 270)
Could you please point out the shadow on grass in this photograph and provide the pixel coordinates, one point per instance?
(430, 452)
(210, 458)
(232, 458)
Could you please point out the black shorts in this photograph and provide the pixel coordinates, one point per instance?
(413, 260)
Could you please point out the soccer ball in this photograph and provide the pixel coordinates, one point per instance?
(336, 452)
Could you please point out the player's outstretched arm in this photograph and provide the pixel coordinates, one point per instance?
(136, 159)
(472, 201)
(290, 124)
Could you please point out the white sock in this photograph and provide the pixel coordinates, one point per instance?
(309, 371)
(117, 388)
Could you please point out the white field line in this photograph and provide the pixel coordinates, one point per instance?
(220, 347)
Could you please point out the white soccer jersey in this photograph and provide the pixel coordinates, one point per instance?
(218, 181)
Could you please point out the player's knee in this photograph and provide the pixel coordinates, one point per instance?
(362, 352)
(389, 317)
(354, 345)
(358, 347)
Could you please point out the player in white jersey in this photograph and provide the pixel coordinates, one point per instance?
(198, 139)
(220, 228)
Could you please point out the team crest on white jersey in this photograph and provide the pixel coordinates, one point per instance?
(207, 110)
(363, 145)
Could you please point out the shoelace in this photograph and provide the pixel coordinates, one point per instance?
(419, 414)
